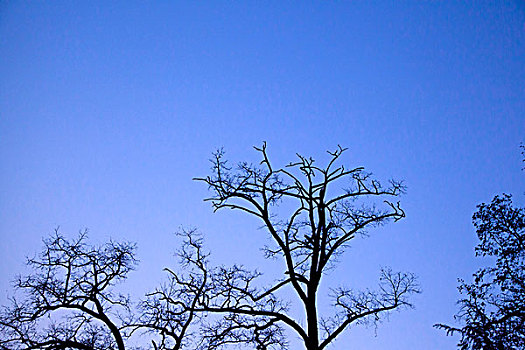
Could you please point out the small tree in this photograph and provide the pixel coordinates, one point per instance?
(68, 301)
(168, 312)
(493, 309)
(177, 314)
(308, 239)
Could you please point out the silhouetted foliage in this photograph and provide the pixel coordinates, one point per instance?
(68, 302)
(493, 310)
(308, 238)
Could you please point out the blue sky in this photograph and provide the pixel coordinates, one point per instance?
(107, 111)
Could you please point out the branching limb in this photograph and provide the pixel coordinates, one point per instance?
(68, 301)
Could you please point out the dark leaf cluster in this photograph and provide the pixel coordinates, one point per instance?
(493, 309)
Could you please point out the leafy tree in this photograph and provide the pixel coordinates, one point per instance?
(310, 220)
(493, 309)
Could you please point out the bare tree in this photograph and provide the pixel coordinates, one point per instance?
(168, 312)
(177, 314)
(68, 301)
(324, 218)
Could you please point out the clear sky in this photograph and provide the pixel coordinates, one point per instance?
(108, 109)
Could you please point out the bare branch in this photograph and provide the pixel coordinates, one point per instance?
(308, 225)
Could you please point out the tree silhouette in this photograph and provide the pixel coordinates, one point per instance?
(168, 312)
(308, 239)
(493, 309)
(68, 301)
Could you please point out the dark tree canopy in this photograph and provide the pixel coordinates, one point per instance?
(311, 213)
(493, 309)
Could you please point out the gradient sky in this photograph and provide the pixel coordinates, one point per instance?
(107, 111)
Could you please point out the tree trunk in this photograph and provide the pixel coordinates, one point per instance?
(311, 315)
